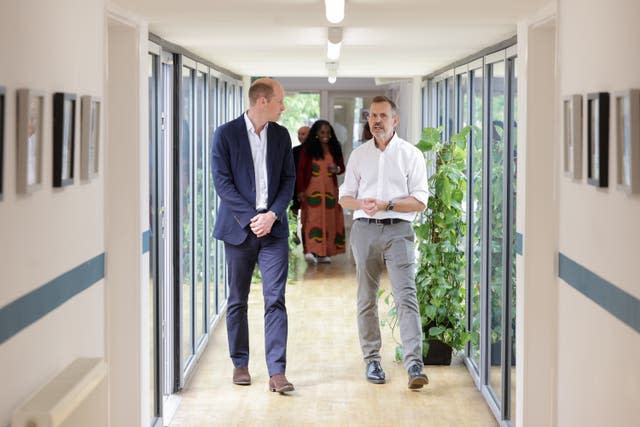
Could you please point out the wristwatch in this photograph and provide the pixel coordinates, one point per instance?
(275, 216)
(390, 205)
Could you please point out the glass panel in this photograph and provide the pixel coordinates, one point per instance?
(349, 117)
(496, 210)
(152, 301)
(199, 231)
(451, 107)
(476, 211)
(211, 200)
(222, 283)
(514, 157)
(301, 109)
(165, 249)
(440, 107)
(185, 216)
(463, 101)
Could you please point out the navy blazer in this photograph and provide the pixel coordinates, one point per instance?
(234, 179)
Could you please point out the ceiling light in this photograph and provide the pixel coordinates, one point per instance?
(332, 71)
(334, 43)
(335, 10)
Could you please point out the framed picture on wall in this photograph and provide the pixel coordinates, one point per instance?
(572, 136)
(64, 126)
(628, 140)
(598, 139)
(29, 140)
(89, 136)
(2, 103)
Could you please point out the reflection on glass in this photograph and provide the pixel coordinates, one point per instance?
(152, 301)
(94, 123)
(624, 126)
(496, 210)
(594, 139)
(450, 112)
(33, 140)
(476, 211)
(568, 136)
(463, 101)
(211, 203)
(513, 189)
(199, 235)
(67, 132)
(186, 222)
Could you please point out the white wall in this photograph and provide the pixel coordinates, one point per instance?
(126, 218)
(598, 375)
(51, 46)
(536, 211)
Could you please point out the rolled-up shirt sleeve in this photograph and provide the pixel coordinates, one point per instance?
(351, 181)
(417, 179)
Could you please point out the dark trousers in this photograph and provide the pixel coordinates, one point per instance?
(271, 255)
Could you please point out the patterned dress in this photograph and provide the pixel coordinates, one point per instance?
(322, 217)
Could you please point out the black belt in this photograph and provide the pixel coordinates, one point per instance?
(385, 221)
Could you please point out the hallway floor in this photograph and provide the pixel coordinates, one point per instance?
(325, 365)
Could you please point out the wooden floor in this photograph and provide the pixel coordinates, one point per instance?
(324, 362)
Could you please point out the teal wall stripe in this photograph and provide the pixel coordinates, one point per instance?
(31, 307)
(519, 242)
(146, 241)
(624, 306)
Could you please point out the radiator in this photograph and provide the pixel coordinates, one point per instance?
(77, 397)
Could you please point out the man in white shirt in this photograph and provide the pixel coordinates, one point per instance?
(385, 185)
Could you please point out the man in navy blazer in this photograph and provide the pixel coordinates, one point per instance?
(254, 177)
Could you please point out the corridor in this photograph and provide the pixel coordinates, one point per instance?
(325, 365)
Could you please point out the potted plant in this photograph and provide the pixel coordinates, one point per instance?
(440, 260)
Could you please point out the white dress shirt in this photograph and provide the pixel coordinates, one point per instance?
(395, 173)
(258, 144)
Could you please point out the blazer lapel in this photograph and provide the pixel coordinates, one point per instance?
(244, 148)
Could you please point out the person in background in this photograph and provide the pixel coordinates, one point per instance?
(366, 133)
(385, 185)
(303, 133)
(252, 222)
(317, 186)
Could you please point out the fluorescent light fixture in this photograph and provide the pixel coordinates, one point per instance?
(334, 43)
(332, 70)
(333, 51)
(334, 10)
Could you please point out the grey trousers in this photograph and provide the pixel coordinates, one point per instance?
(374, 246)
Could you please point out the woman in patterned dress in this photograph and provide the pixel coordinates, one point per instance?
(317, 188)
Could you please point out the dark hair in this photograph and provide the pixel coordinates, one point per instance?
(381, 98)
(366, 132)
(313, 146)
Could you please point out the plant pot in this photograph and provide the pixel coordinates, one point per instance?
(439, 353)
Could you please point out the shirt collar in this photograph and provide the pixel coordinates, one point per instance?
(249, 124)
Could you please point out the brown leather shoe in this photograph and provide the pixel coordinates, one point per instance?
(279, 383)
(241, 375)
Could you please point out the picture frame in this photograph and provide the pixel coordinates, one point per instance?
(2, 109)
(29, 140)
(628, 140)
(64, 128)
(572, 136)
(90, 130)
(598, 139)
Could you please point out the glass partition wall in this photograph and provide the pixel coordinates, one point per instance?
(482, 93)
(188, 290)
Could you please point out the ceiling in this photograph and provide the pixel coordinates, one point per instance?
(381, 38)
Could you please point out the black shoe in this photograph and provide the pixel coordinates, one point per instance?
(417, 378)
(375, 374)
